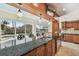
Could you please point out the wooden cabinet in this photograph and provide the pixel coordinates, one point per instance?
(48, 48)
(40, 51)
(69, 25)
(54, 49)
(74, 25)
(68, 37)
(76, 39)
(71, 38)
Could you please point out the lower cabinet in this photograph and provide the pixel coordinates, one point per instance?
(40, 51)
(76, 38)
(54, 47)
(68, 38)
(47, 49)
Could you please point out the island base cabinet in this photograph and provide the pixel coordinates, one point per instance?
(40, 51)
(49, 48)
(54, 49)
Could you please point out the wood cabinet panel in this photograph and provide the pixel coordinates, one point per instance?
(48, 48)
(69, 25)
(40, 50)
(54, 49)
(74, 25)
(71, 38)
(68, 38)
(76, 39)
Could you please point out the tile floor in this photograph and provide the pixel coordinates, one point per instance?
(68, 49)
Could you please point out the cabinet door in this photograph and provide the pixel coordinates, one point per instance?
(40, 50)
(54, 47)
(76, 38)
(69, 25)
(75, 25)
(49, 48)
(68, 37)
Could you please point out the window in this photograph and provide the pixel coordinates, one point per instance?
(7, 33)
(20, 32)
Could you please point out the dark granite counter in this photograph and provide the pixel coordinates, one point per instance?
(23, 48)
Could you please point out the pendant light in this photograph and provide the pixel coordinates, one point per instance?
(19, 13)
(40, 18)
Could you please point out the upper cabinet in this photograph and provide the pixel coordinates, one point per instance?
(74, 25)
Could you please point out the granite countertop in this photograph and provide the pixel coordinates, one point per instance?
(23, 48)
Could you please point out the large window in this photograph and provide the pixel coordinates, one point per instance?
(7, 33)
(7, 28)
(20, 32)
(13, 33)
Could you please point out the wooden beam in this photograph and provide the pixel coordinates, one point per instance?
(29, 7)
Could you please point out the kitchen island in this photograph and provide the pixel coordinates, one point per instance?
(40, 47)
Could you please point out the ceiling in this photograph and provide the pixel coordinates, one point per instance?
(63, 8)
(60, 8)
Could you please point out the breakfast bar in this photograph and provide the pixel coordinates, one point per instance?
(31, 48)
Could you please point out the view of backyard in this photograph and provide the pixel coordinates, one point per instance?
(11, 31)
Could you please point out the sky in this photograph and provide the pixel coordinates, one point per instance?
(17, 24)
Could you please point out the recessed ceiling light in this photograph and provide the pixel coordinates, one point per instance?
(64, 9)
(35, 4)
